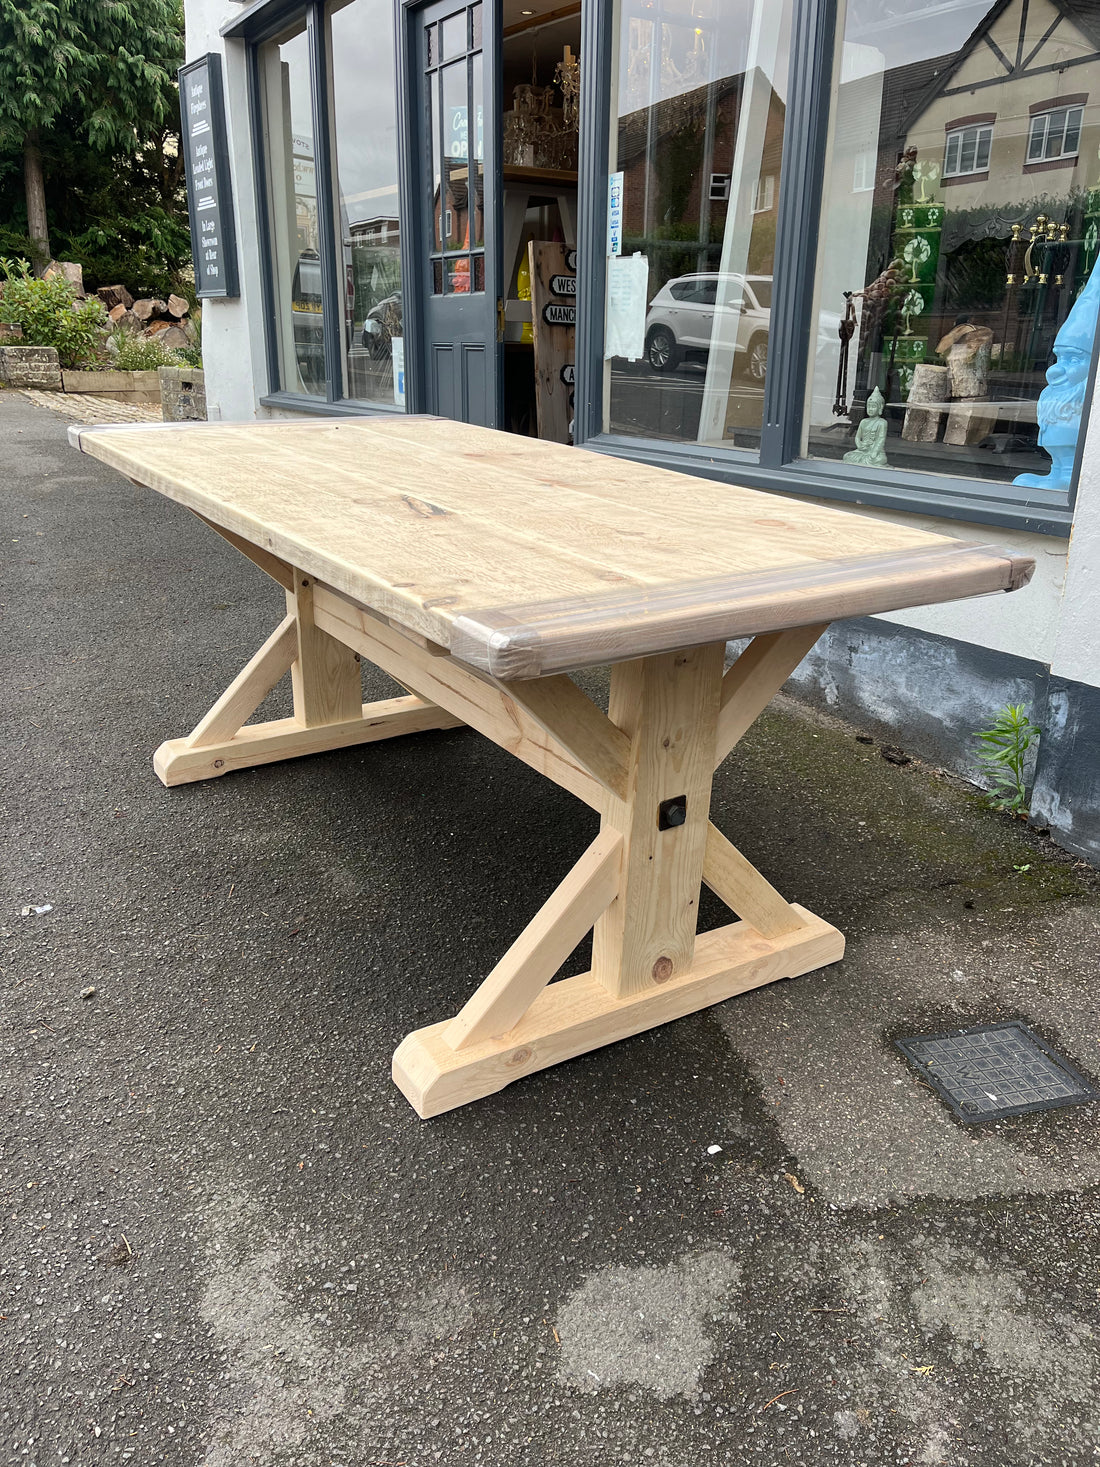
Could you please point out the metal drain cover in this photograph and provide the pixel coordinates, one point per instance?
(996, 1070)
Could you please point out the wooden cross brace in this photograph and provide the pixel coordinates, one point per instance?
(646, 766)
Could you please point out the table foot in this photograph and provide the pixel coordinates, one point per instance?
(575, 1015)
(179, 761)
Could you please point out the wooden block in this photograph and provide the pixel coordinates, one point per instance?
(576, 1015)
(668, 707)
(178, 762)
(555, 340)
(328, 681)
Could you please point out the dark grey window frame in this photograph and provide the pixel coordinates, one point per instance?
(777, 466)
(254, 26)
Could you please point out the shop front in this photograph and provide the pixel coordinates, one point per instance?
(838, 251)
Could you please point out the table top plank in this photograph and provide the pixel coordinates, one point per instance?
(527, 557)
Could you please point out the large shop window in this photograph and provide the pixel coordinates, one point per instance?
(294, 237)
(340, 286)
(932, 243)
(701, 96)
(364, 128)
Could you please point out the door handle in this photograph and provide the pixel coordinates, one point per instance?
(500, 319)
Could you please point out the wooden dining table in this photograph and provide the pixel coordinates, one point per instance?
(479, 570)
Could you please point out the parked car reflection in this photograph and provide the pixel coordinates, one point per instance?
(682, 317)
(681, 320)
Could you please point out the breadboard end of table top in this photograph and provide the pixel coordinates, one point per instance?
(541, 638)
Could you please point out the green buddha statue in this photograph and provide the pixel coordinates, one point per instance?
(870, 446)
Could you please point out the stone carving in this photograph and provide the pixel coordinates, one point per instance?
(870, 446)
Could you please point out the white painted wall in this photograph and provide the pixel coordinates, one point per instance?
(1076, 653)
(1024, 624)
(232, 330)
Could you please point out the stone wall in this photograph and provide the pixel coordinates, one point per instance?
(30, 366)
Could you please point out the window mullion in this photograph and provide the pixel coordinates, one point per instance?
(813, 32)
(331, 294)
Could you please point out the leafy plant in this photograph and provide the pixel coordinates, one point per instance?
(50, 315)
(1002, 756)
(130, 353)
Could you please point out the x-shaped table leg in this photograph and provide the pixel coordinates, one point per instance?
(671, 719)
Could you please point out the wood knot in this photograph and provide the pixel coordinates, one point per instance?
(662, 970)
(519, 1056)
(423, 506)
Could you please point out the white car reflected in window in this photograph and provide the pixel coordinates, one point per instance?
(679, 327)
(680, 324)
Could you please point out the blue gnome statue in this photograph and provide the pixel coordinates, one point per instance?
(1062, 400)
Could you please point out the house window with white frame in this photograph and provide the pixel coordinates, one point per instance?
(863, 172)
(967, 150)
(763, 194)
(1055, 134)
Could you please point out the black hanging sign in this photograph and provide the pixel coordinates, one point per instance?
(209, 196)
(563, 285)
(555, 315)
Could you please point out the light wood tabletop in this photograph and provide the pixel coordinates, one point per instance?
(476, 568)
(523, 557)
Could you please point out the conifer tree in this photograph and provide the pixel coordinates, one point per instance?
(109, 66)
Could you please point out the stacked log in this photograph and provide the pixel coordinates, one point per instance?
(149, 316)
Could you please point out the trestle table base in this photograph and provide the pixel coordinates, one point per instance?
(646, 765)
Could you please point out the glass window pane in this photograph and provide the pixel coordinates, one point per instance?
(452, 35)
(364, 127)
(475, 27)
(440, 216)
(292, 208)
(456, 151)
(477, 167)
(940, 294)
(1056, 125)
(458, 275)
(1073, 130)
(701, 92)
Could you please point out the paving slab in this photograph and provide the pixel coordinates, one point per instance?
(226, 1239)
